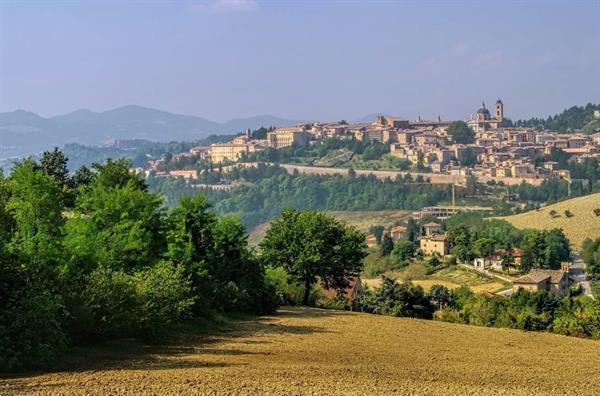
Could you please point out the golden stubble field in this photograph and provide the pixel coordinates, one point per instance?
(583, 224)
(313, 351)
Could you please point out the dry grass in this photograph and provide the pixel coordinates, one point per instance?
(583, 224)
(362, 220)
(312, 351)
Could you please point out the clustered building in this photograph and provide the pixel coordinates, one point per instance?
(498, 152)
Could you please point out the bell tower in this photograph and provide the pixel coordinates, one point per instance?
(499, 110)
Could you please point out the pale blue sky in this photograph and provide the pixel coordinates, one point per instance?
(306, 60)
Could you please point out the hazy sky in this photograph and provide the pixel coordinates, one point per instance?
(300, 59)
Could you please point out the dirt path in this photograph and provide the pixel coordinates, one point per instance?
(312, 351)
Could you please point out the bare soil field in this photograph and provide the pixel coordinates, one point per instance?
(314, 351)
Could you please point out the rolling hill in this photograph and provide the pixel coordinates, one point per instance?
(583, 224)
(25, 133)
(312, 351)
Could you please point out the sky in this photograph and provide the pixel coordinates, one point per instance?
(310, 60)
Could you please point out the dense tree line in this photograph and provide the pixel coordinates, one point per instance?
(366, 149)
(591, 255)
(94, 255)
(268, 190)
(471, 236)
(541, 311)
(572, 119)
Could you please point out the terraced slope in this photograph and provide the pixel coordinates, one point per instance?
(312, 351)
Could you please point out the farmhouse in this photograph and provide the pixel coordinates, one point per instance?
(436, 243)
(495, 260)
(432, 228)
(554, 281)
(398, 232)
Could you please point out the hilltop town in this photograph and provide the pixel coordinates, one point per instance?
(486, 146)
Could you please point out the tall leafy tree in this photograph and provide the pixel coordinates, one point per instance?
(35, 204)
(312, 246)
(387, 245)
(461, 132)
(54, 163)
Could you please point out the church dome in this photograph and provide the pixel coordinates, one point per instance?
(483, 110)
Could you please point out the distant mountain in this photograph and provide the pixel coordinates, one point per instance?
(24, 133)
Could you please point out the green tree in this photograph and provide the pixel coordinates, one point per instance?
(460, 132)
(413, 231)
(484, 247)
(387, 245)
(440, 296)
(311, 246)
(35, 205)
(508, 260)
(402, 252)
(54, 163)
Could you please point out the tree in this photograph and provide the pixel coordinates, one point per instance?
(413, 231)
(54, 164)
(82, 177)
(484, 247)
(472, 185)
(387, 245)
(312, 246)
(401, 299)
(508, 260)
(460, 132)
(440, 296)
(403, 251)
(377, 231)
(116, 174)
(35, 204)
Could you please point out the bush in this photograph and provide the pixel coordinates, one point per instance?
(145, 304)
(31, 333)
(163, 298)
(109, 305)
(286, 291)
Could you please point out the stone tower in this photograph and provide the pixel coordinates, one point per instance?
(499, 110)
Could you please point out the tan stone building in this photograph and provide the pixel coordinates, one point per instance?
(398, 232)
(483, 120)
(554, 281)
(437, 243)
(232, 151)
(284, 137)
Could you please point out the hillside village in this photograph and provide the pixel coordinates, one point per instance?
(495, 151)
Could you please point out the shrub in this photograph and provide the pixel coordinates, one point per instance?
(116, 304)
(286, 291)
(109, 305)
(31, 331)
(163, 298)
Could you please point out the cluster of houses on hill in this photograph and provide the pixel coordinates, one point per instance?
(497, 153)
(435, 242)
